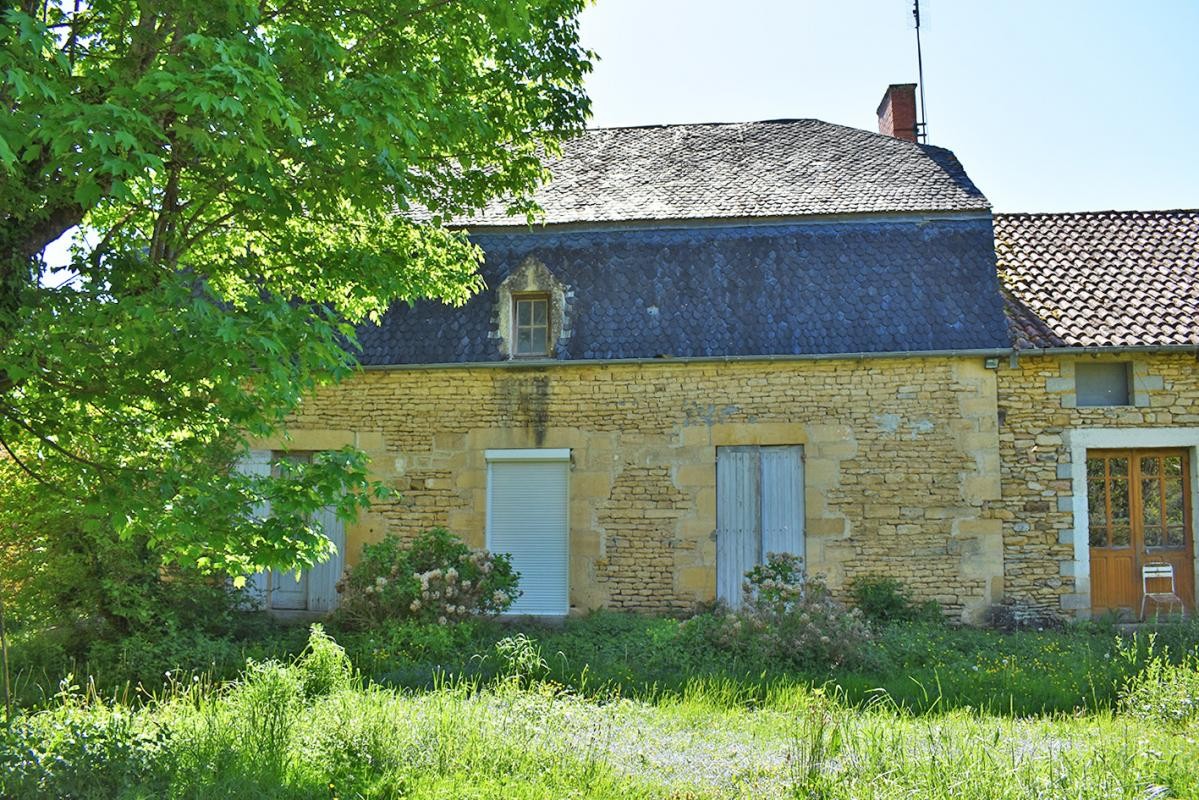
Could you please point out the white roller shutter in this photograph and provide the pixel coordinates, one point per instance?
(528, 512)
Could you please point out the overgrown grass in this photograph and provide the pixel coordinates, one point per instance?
(919, 666)
(310, 728)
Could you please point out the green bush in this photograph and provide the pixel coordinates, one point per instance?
(884, 599)
(787, 619)
(324, 666)
(435, 578)
(1162, 690)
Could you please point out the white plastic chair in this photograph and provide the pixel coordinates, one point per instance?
(1159, 571)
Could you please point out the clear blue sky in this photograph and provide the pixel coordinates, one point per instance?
(1051, 105)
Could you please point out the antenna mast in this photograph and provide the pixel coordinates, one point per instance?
(922, 125)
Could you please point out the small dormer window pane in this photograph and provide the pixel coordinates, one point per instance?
(532, 326)
(1102, 384)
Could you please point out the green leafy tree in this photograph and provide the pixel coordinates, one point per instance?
(247, 180)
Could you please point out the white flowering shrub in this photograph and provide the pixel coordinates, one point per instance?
(790, 619)
(434, 578)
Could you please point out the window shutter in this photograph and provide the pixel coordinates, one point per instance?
(528, 518)
(257, 462)
(782, 501)
(737, 510)
(323, 577)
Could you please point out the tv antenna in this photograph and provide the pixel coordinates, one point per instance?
(922, 125)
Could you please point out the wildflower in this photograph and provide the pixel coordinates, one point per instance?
(451, 574)
(370, 590)
(441, 620)
(414, 606)
(380, 581)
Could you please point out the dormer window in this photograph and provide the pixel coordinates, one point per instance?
(530, 325)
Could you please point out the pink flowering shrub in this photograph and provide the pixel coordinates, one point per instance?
(792, 620)
(434, 578)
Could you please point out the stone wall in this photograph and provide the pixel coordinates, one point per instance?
(1038, 418)
(902, 473)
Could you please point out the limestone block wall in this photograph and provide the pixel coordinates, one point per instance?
(902, 470)
(1038, 413)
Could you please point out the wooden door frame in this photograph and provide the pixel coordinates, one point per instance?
(1080, 440)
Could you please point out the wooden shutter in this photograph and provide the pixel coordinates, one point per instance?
(257, 462)
(323, 577)
(528, 518)
(737, 519)
(759, 510)
(782, 501)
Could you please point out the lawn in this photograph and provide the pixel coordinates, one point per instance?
(617, 706)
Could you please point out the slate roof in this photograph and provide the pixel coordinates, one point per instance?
(799, 288)
(781, 168)
(1110, 278)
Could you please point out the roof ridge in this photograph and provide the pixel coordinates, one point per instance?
(709, 124)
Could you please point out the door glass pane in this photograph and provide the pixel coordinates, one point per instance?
(1095, 467)
(1175, 536)
(1097, 504)
(1175, 490)
(1121, 535)
(1151, 508)
(1119, 495)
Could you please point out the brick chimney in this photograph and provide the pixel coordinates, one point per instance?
(897, 112)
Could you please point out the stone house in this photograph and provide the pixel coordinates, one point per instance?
(732, 339)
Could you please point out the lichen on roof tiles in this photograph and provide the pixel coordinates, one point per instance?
(1096, 279)
(781, 168)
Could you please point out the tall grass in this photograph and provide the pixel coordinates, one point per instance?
(312, 728)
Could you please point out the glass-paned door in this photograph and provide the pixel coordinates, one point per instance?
(1138, 504)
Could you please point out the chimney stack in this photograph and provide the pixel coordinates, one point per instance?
(897, 112)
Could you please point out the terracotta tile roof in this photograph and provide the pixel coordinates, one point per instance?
(1108, 278)
(780, 168)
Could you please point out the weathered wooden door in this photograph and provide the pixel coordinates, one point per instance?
(310, 590)
(759, 510)
(1139, 512)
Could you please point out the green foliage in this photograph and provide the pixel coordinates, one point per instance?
(264, 736)
(884, 599)
(520, 658)
(787, 618)
(324, 666)
(244, 182)
(1161, 691)
(434, 578)
(382, 650)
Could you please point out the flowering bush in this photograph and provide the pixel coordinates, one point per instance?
(791, 620)
(435, 578)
